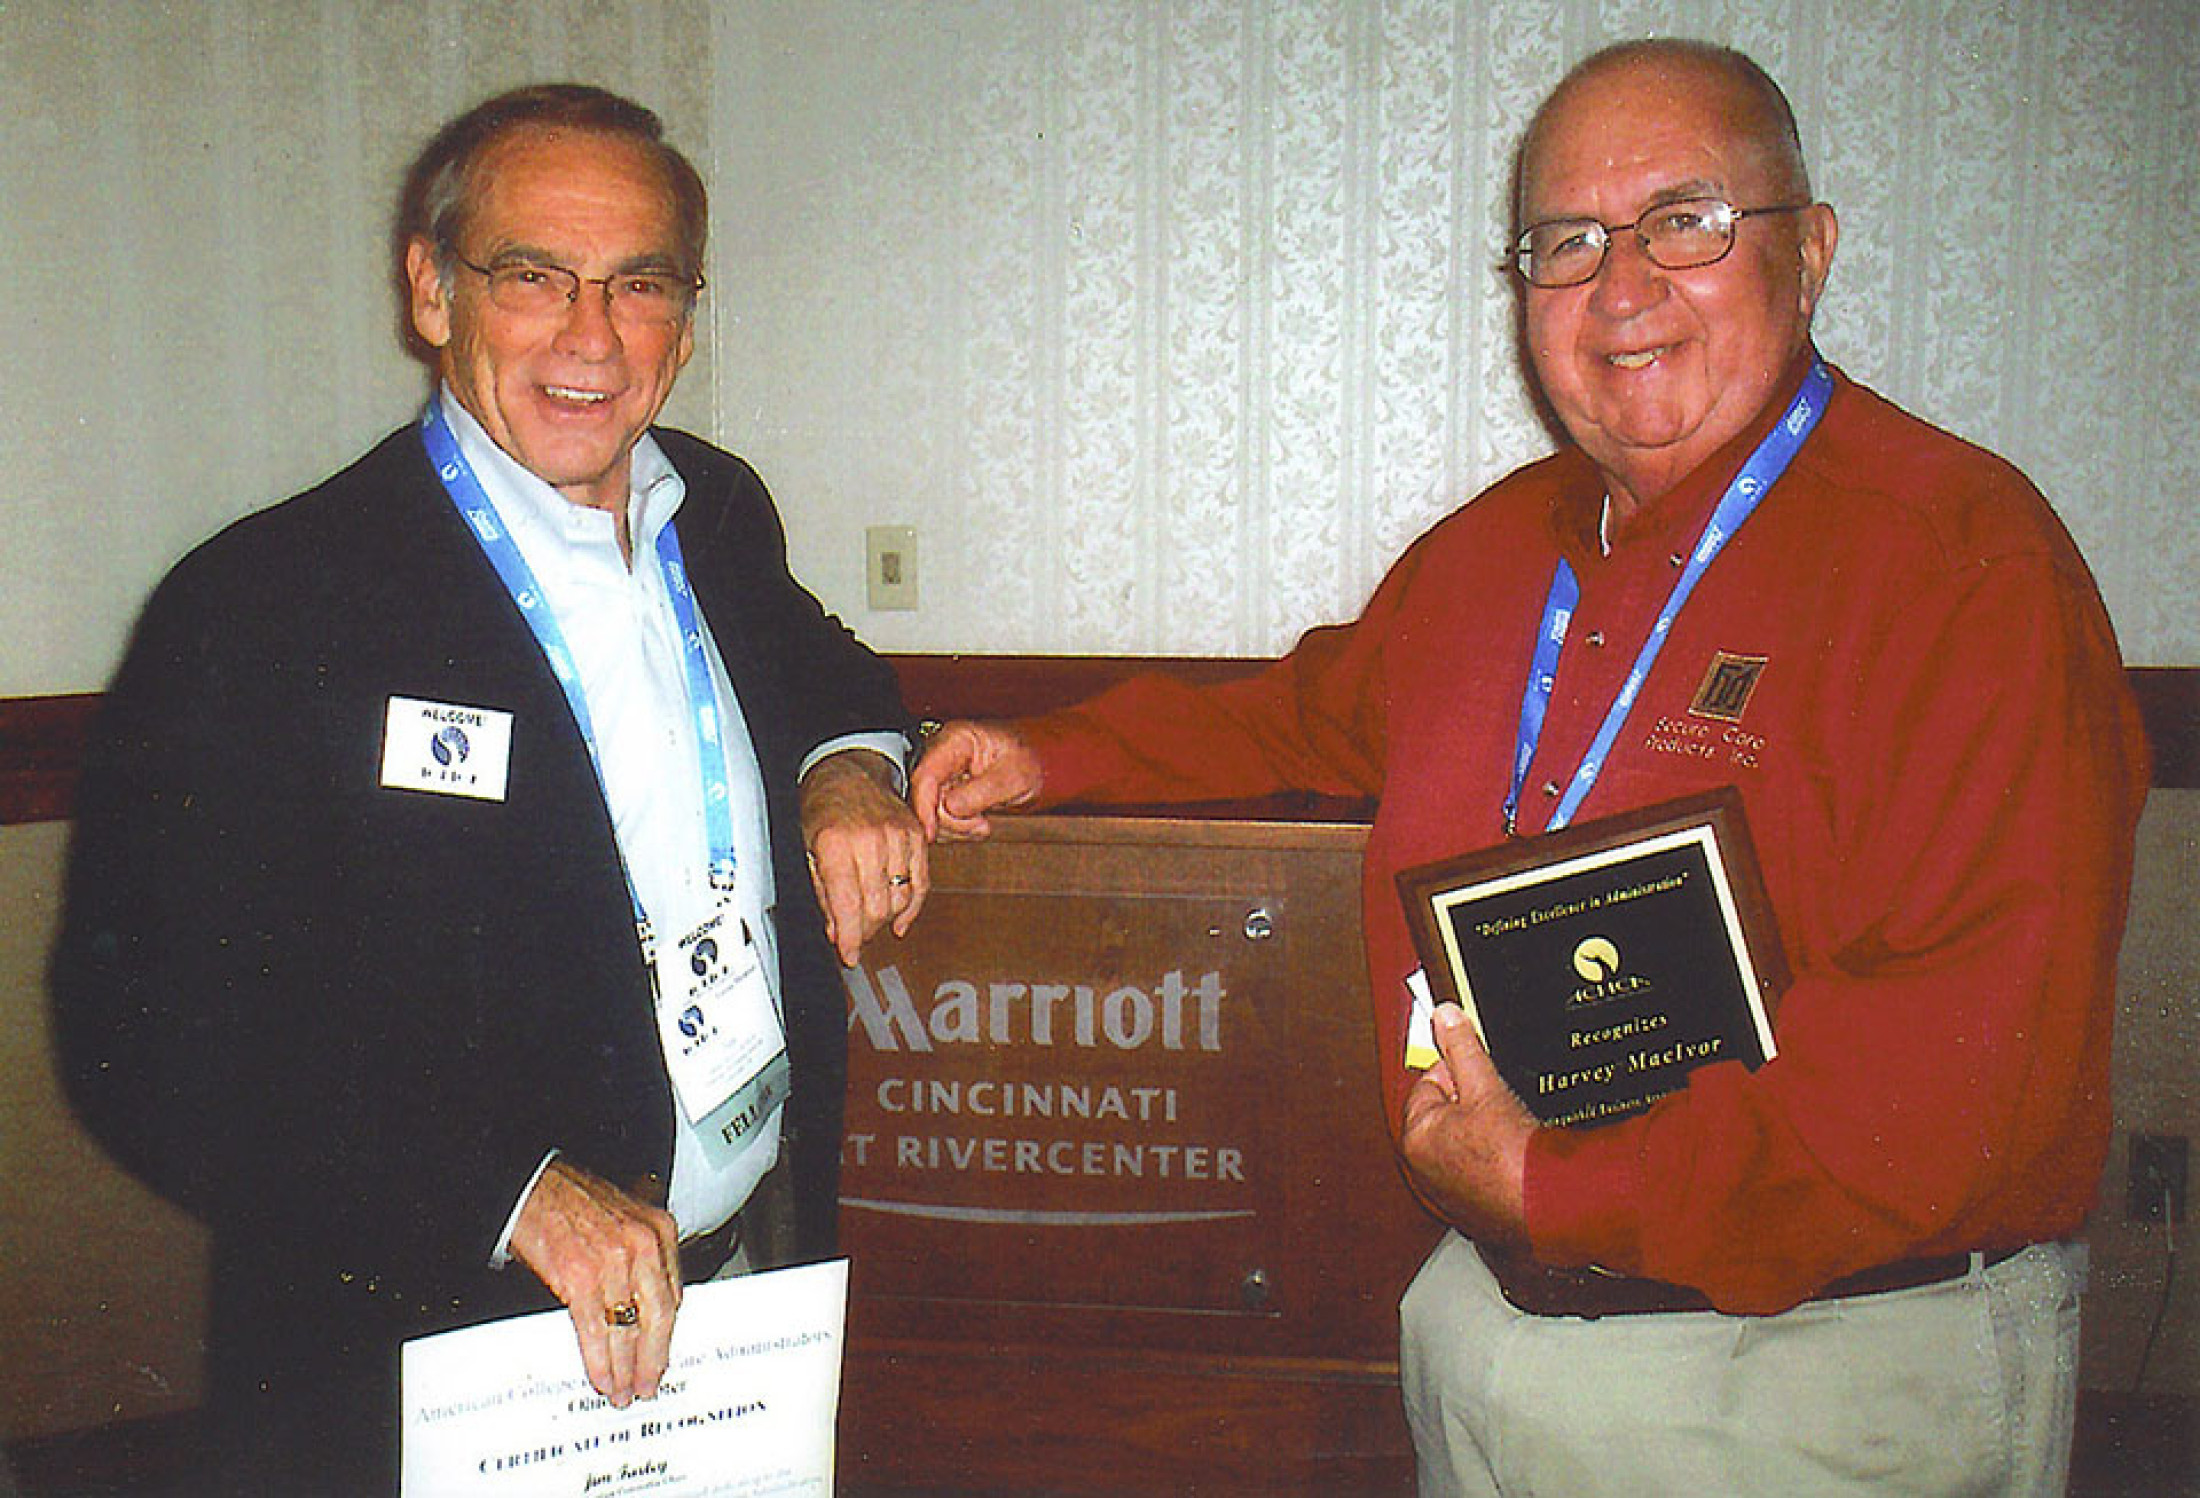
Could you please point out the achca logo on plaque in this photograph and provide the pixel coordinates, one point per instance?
(1597, 963)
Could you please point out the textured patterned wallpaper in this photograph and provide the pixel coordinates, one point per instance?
(1172, 321)
(1166, 322)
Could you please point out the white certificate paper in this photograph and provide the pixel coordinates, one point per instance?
(746, 1409)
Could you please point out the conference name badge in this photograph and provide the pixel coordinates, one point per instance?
(717, 1020)
(446, 748)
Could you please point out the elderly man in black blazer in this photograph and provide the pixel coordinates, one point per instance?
(442, 892)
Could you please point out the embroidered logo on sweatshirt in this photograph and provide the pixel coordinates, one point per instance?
(1727, 686)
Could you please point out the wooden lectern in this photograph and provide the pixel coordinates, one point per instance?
(1121, 1210)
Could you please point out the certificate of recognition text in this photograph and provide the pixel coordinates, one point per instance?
(746, 1409)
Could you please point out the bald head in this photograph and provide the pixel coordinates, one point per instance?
(1758, 109)
(1652, 365)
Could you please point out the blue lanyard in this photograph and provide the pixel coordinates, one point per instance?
(482, 518)
(1758, 475)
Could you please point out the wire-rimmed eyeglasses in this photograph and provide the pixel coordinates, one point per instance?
(1680, 235)
(534, 288)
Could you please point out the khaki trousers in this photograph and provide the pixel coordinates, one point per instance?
(1964, 1387)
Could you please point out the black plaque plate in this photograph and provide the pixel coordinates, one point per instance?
(1603, 963)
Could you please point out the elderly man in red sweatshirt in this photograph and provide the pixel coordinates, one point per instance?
(1855, 1266)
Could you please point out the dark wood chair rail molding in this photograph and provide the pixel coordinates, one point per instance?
(42, 739)
(42, 743)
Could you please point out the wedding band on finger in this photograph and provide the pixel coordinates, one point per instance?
(897, 880)
(625, 1313)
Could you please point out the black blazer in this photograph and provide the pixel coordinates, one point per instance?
(342, 1023)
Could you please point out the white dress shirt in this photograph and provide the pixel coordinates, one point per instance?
(619, 625)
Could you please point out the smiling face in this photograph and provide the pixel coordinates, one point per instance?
(567, 394)
(1653, 370)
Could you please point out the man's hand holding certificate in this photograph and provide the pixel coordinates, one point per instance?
(746, 1408)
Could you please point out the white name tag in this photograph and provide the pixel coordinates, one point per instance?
(446, 749)
(715, 1015)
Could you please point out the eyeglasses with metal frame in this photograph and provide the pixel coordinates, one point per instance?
(1686, 234)
(535, 288)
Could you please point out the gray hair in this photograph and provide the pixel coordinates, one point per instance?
(440, 188)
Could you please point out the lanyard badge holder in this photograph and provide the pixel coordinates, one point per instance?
(1758, 474)
(725, 1048)
(718, 1021)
